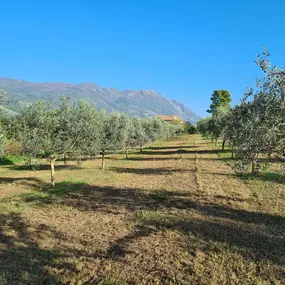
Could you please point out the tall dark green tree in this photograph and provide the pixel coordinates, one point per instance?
(220, 98)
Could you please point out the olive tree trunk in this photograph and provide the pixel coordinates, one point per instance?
(223, 145)
(52, 172)
(254, 169)
(65, 158)
(103, 160)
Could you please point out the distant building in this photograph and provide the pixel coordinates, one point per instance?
(169, 119)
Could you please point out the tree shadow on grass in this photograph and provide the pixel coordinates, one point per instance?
(256, 236)
(166, 152)
(31, 182)
(275, 160)
(43, 167)
(185, 151)
(23, 260)
(266, 176)
(274, 177)
(143, 158)
(6, 162)
(88, 197)
(148, 171)
(148, 158)
(248, 239)
(170, 147)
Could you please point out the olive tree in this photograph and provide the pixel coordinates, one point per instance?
(203, 127)
(34, 128)
(140, 127)
(220, 118)
(155, 129)
(50, 132)
(77, 131)
(78, 128)
(258, 123)
(130, 135)
(113, 134)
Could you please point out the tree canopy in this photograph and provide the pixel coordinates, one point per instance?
(256, 127)
(220, 98)
(71, 130)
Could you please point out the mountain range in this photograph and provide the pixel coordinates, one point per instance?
(142, 103)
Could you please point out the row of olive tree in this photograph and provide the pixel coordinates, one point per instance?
(73, 130)
(215, 126)
(256, 127)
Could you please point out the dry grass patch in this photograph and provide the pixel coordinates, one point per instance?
(175, 214)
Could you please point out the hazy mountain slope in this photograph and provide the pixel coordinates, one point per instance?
(184, 111)
(20, 92)
(144, 103)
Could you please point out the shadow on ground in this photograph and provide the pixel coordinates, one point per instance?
(265, 176)
(5, 161)
(32, 182)
(43, 167)
(22, 260)
(170, 147)
(156, 158)
(257, 236)
(172, 152)
(148, 171)
(274, 177)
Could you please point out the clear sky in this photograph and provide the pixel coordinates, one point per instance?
(181, 48)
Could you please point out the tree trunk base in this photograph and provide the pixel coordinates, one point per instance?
(52, 172)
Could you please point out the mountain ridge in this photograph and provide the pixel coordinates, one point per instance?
(143, 103)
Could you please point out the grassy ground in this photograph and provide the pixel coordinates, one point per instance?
(175, 214)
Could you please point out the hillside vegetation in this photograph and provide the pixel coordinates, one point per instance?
(142, 103)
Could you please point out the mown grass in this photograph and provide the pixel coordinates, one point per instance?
(174, 214)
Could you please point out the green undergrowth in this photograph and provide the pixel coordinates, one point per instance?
(11, 160)
(44, 195)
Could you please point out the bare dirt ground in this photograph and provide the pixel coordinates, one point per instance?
(174, 214)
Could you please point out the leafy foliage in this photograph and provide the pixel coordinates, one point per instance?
(73, 130)
(256, 127)
(220, 98)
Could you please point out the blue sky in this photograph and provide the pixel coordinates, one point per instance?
(182, 49)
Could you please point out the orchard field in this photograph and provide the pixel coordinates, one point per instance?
(175, 213)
